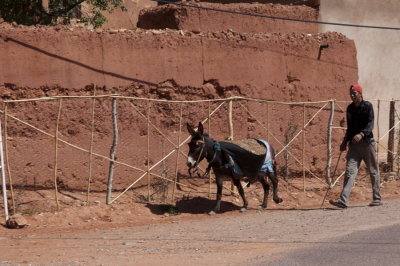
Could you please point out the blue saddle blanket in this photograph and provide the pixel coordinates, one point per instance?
(267, 165)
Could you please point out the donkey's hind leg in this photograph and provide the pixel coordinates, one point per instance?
(241, 192)
(274, 181)
(265, 185)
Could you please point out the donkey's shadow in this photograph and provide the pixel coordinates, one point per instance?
(197, 205)
(200, 205)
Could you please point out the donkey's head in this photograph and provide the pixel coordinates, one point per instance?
(196, 145)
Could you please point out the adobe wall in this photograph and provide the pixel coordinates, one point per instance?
(204, 20)
(129, 19)
(274, 66)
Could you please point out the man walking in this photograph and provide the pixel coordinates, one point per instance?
(360, 141)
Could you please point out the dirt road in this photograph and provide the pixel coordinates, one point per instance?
(228, 239)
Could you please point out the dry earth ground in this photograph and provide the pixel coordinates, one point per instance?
(130, 232)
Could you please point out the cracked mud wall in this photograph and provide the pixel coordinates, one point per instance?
(235, 19)
(262, 65)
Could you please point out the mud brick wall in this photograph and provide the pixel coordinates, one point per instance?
(205, 19)
(273, 66)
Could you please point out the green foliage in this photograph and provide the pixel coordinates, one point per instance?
(32, 12)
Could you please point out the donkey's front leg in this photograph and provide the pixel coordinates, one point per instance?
(217, 207)
(241, 192)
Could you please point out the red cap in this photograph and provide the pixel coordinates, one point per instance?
(356, 87)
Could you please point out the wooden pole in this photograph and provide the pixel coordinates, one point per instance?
(230, 122)
(8, 160)
(379, 137)
(329, 155)
(148, 151)
(56, 153)
(112, 150)
(398, 150)
(177, 154)
(304, 147)
(3, 177)
(209, 132)
(268, 122)
(390, 157)
(91, 146)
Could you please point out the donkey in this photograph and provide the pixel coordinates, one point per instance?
(229, 160)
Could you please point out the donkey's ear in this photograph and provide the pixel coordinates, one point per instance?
(190, 129)
(200, 129)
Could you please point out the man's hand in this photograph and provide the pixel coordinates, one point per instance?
(357, 138)
(343, 146)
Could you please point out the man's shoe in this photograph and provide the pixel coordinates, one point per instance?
(338, 204)
(375, 203)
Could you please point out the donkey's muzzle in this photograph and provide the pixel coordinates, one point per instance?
(191, 163)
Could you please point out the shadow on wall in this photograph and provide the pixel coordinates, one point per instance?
(78, 63)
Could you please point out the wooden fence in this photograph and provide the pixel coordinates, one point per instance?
(305, 135)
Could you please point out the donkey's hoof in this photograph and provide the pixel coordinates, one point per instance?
(212, 213)
(243, 209)
(261, 207)
(278, 200)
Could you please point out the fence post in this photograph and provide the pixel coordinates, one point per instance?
(3, 176)
(209, 132)
(378, 135)
(148, 152)
(56, 154)
(268, 133)
(91, 146)
(304, 147)
(398, 150)
(112, 151)
(390, 157)
(10, 183)
(230, 122)
(329, 155)
(177, 152)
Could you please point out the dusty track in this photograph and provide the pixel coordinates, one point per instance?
(226, 239)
